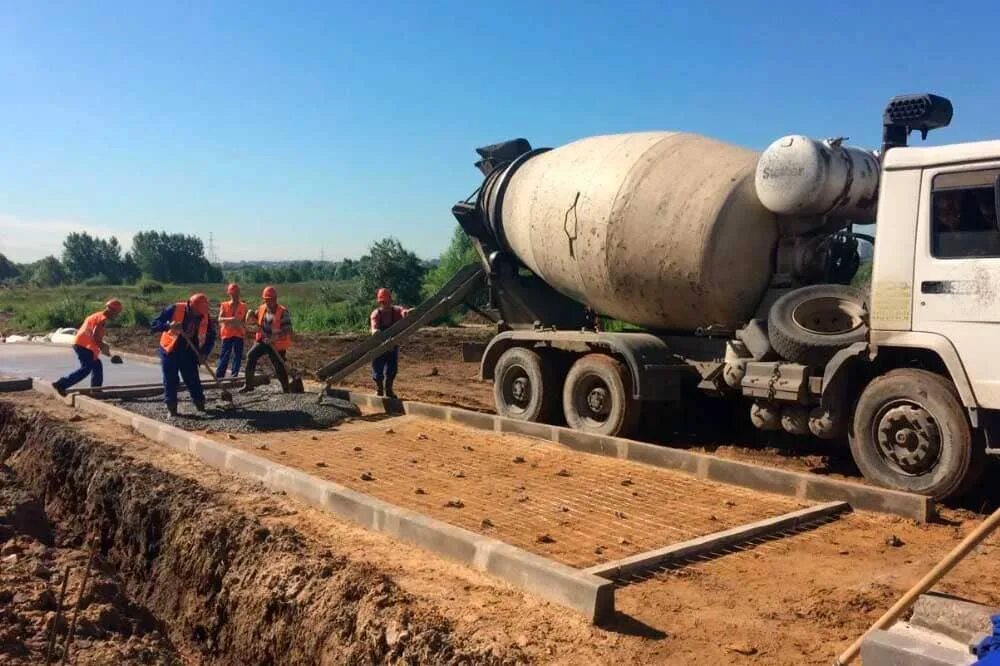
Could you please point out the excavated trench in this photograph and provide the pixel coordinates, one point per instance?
(196, 580)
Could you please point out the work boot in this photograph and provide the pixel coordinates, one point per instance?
(389, 393)
(200, 406)
(172, 409)
(62, 391)
(379, 388)
(247, 383)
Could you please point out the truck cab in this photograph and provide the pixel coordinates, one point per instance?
(934, 318)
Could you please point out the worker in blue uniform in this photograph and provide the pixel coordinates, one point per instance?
(179, 324)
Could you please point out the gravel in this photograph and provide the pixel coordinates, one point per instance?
(267, 408)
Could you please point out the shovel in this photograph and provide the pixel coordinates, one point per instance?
(294, 383)
(223, 393)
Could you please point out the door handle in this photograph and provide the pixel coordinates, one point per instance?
(948, 287)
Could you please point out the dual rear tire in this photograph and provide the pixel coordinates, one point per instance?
(596, 392)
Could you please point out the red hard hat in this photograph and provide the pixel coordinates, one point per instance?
(383, 295)
(269, 292)
(199, 303)
(114, 305)
(233, 289)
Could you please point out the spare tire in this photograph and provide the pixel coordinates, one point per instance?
(811, 324)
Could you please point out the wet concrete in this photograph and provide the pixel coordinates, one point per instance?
(266, 408)
(50, 362)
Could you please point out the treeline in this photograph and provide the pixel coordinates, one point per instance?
(95, 261)
(339, 296)
(159, 257)
(296, 271)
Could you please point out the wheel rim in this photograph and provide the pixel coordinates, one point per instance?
(907, 437)
(592, 400)
(516, 389)
(829, 315)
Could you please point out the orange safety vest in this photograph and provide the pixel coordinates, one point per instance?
(228, 330)
(91, 333)
(168, 340)
(280, 341)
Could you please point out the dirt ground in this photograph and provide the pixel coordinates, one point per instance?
(110, 627)
(797, 600)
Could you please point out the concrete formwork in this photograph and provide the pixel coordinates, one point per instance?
(809, 487)
(581, 590)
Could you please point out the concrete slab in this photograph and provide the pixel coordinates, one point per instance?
(50, 362)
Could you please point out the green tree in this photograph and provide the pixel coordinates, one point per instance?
(48, 273)
(389, 264)
(85, 256)
(348, 269)
(8, 270)
(174, 258)
(459, 254)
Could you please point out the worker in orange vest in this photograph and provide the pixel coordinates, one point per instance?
(178, 356)
(384, 367)
(273, 338)
(89, 345)
(232, 329)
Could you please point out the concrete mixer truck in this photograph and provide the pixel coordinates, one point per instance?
(732, 268)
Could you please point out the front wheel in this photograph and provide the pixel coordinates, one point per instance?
(910, 432)
(597, 397)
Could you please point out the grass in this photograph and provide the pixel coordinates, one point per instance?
(315, 306)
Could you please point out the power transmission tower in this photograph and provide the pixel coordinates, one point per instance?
(212, 257)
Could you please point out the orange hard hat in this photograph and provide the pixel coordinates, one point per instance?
(114, 305)
(233, 289)
(269, 292)
(383, 295)
(199, 303)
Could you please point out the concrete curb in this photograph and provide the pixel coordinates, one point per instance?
(15, 384)
(714, 542)
(894, 649)
(800, 485)
(46, 388)
(585, 593)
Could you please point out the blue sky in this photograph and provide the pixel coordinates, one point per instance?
(287, 129)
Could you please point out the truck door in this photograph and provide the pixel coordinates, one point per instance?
(956, 282)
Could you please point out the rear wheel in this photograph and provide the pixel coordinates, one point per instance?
(910, 432)
(524, 386)
(597, 397)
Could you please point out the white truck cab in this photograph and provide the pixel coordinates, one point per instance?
(924, 421)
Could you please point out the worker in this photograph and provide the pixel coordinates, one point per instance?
(232, 329)
(273, 338)
(187, 337)
(89, 345)
(385, 367)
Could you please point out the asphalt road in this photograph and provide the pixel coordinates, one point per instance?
(50, 362)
